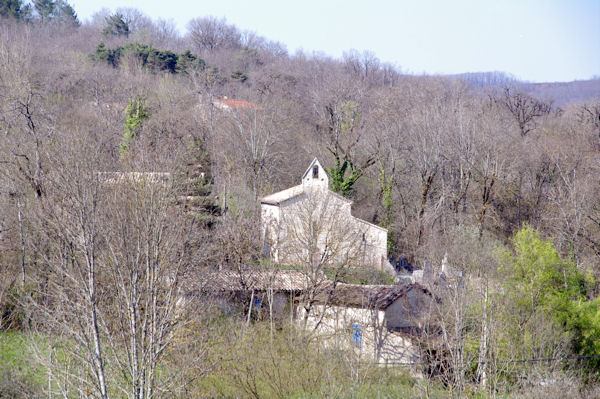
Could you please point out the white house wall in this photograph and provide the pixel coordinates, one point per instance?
(335, 327)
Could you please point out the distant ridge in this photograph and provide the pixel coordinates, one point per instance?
(562, 93)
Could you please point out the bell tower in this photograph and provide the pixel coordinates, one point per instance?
(315, 177)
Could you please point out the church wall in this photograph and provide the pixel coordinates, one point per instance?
(288, 226)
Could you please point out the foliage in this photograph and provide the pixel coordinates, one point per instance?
(149, 58)
(539, 284)
(440, 143)
(256, 362)
(12, 9)
(344, 122)
(239, 75)
(539, 278)
(584, 323)
(339, 182)
(58, 11)
(188, 62)
(116, 26)
(135, 115)
(104, 54)
(44, 8)
(386, 184)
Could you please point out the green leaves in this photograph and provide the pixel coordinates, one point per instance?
(55, 11)
(116, 26)
(339, 183)
(149, 58)
(538, 277)
(540, 285)
(12, 8)
(135, 115)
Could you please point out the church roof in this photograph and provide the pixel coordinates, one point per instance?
(292, 192)
(282, 196)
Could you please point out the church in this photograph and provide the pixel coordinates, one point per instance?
(309, 224)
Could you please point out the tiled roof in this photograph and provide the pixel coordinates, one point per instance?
(281, 196)
(289, 193)
(366, 296)
(239, 104)
(250, 279)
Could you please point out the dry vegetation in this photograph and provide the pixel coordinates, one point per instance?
(91, 268)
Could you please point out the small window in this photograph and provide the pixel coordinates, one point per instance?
(357, 334)
(315, 172)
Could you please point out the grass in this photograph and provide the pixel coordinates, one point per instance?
(19, 377)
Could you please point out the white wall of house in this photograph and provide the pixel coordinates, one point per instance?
(338, 325)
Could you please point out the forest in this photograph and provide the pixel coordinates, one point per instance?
(123, 186)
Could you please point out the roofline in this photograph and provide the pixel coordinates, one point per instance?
(373, 306)
(310, 167)
(348, 200)
(274, 203)
(262, 200)
(370, 224)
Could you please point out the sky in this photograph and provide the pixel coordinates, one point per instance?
(535, 40)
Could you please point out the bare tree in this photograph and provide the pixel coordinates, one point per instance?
(116, 250)
(524, 108)
(315, 236)
(248, 138)
(589, 114)
(211, 34)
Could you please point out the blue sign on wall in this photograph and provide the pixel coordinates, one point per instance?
(357, 334)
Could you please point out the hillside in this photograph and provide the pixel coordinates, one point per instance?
(132, 160)
(564, 93)
(560, 93)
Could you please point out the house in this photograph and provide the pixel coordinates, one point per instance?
(382, 322)
(229, 104)
(265, 291)
(309, 223)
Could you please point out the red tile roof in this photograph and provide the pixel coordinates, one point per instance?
(250, 279)
(239, 104)
(366, 296)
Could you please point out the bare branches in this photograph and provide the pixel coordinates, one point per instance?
(524, 108)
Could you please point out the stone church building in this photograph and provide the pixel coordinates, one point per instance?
(310, 224)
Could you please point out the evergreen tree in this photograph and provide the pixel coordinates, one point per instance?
(65, 14)
(188, 62)
(11, 9)
(45, 9)
(55, 11)
(116, 26)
